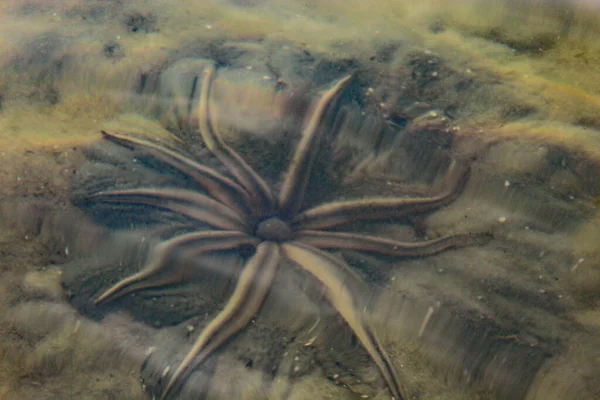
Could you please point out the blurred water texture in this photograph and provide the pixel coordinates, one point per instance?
(514, 84)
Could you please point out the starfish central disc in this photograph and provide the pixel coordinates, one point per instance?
(274, 229)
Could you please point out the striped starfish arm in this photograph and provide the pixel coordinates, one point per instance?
(252, 287)
(395, 248)
(245, 175)
(296, 179)
(216, 185)
(161, 272)
(337, 213)
(185, 202)
(327, 272)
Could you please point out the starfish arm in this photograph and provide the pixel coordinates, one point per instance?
(161, 272)
(352, 241)
(330, 215)
(186, 202)
(252, 287)
(328, 273)
(248, 178)
(216, 185)
(298, 174)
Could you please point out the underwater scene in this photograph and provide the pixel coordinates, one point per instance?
(284, 199)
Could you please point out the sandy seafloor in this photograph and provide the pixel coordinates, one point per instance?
(514, 85)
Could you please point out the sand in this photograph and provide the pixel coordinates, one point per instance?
(514, 86)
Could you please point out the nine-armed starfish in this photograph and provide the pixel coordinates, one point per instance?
(243, 212)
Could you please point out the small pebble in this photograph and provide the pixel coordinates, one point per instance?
(150, 350)
(77, 326)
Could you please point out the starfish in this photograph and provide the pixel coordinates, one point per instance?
(242, 211)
